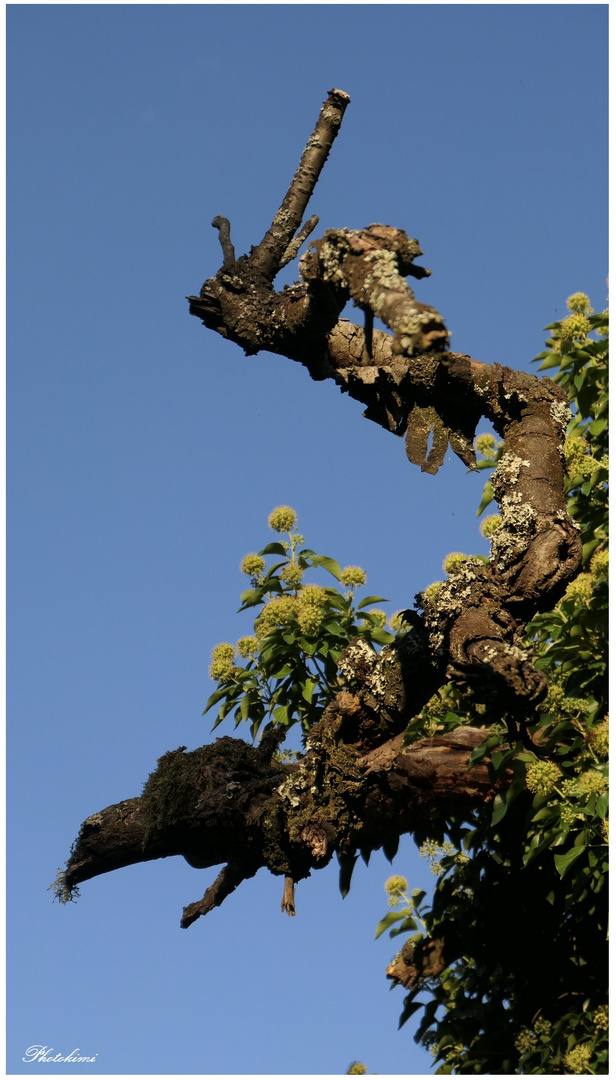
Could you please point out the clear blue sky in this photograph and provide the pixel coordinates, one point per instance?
(145, 454)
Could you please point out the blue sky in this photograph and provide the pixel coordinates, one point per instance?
(145, 454)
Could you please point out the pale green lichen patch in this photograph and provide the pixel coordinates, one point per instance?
(561, 415)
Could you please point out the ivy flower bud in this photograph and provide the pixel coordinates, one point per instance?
(378, 616)
(580, 589)
(222, 662)
(395, 886)
(247, 647)
(313, 596)
(542, 777)
(489, 525)
(353, 576)
(600, 739)
(292, 574)
(575, 327)
(252, 564)
(278, 612)
(282, 519)
(397, 621)
(601, 1018)
(454, 562)
(357, 1068)
(592, 783)
(485, 445)
(310, 619)
(433, 591)
(578, 1060)
(579, 301)
(599, 564)
(525, 1041)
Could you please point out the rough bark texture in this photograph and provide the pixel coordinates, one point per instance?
(358, 787)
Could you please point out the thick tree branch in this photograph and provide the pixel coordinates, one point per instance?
(231, 803)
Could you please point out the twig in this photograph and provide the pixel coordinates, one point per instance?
(224, 235)
(228, 879)
(288, 896)
(267, 255)
(296, 244)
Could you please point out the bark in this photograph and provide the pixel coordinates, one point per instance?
(358, 787)
(233, 803)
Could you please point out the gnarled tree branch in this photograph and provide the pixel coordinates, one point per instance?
(357, 786)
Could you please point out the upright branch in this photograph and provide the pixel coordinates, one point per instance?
(268, 256)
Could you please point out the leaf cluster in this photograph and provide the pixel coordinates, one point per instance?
(300, 631)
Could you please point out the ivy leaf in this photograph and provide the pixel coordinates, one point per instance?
(563, 862)
(328, 564)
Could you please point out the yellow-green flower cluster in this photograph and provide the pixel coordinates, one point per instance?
(600, 563)
(568, 816)
(247, 647)
(578, 1060)
(433, 852)
(579, 301)
(357, 1068)
(452, 1056)
(395, 886)
(600, 739)
(252, 564)
(353, 576)
(556, 701)
(577, 457)
(526, 1041)
(379, 617)
(601, 1018)
(278, 612)
(222, 665)
(312, 602)
(580, 589)
(397, 622)
(282, 519)
(575, 327)
(433, 591)
(592, 783)
(454, 562)
(542, 777)
(489, 525)
(291, 574)
(542, 1026)
(486, 445)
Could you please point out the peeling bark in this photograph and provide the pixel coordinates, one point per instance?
(357, 786)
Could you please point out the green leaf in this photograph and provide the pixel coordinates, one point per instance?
(563, 862)
(408, 1010)
(371, 600)
(552, 360)
(214, 698)
(281, 715)
(308, 689)
(486, 498)
(328, 564)
(389, 920)
(275, 548)
(500, 809)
